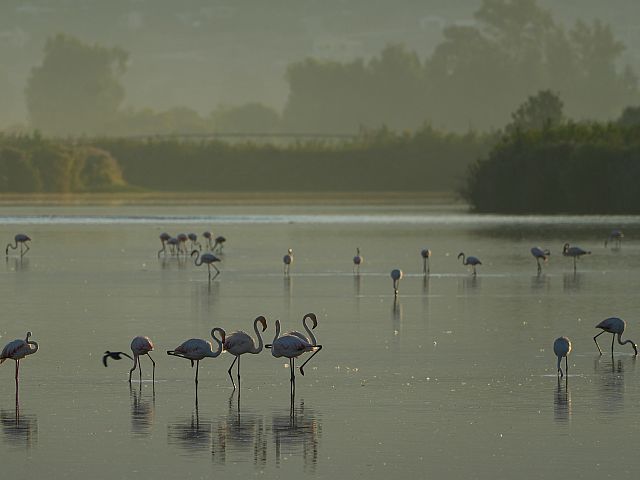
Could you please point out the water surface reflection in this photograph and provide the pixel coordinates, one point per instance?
(142, 410)
(562, 401)
(610, 379)
(296, 432)
(190, 434)
(19, 429)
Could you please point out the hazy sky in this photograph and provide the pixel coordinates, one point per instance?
(201, 53)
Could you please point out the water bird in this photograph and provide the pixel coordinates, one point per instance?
(16, 350)
(614, 326)
(208, 237)
(208, 258)
(615, 237)
(473, 261)
(574, 252)
(20, 239)
(239, 343)
(425, 253)
(287, 260)
(174, 245)
(357, 260)
(139, 346)
(540, 254)
(396, 276)
(182, 243)
(193, 239)
(562, 348)
(164, 238)
(219, 243)
(311, 338)
(196, 349)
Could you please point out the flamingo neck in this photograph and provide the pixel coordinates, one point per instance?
(33, 347)
(627, 341)
(312, 337)
(220, 342)
(257, 349)
(277, 331)
(197, 258)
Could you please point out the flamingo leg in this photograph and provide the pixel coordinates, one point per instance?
(135, 361)
(474, 270)
(238, 357)
(566, 365)
(319, 347)
(594, 339)
(197, 367)
(140, 369)
(613, 338)
(153, 374)
(229, 372)
(17, 372)
(539, 266)
(293, 376)
(575, 259)
(424, 266)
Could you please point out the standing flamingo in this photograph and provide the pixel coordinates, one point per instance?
(219, 243)
(139, 346)
(207, 236)
(238, 343)
(164, 237)
(562, 348)
(287, 260)
(196, 349)
(426, 254)
(396, 276)
(209, 259)
(615, 326)
(473, 261)
(616, 237)
(174, 245)
(540, 254)
(17, 350)
(357, 260)
(574, 252)
(182, 243)
(311, 339)
(20, 239)
(193, 239)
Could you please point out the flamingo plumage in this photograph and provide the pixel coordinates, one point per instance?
(396, 276)
(562, 348)
(615, 326)
(357, 260)
(470, 260)
(209, 259)
(193, 239)
(218, 243)
(239, 343)
(16, 350)
(140, 345)
(196, 349)
(540, 254)
(425, 253)
(208, 237)
(574, 252)
(287, 260)
(164, 238)
(20, 239)
(616, 237)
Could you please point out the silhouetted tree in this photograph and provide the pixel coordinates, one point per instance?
(630, 117)
(543, 110)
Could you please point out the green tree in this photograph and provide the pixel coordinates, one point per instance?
(247, 118)
(630, 117)
(543, 110)
(76, 90)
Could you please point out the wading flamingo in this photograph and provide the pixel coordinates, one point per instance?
(139, 346)
(615, 237)
(17, 350)
(238, 343)
(562, 348)
(311, 338)
(287, 260)
(196, 349)
(209, 259)
(20, 239)
(164, 238)
(357, 260)
(219, 243)
(396, 276)
(174, 245)
(540, 254)
(574, 252)
(207, 236)
(425, 253)
(193, 239)
(182, 243)
(473, 261)
(615, 326)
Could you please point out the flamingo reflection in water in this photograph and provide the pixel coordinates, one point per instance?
(142, 410)
(191, 434)
(19, 429)
(298, 429)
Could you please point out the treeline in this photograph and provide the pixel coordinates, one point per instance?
(591, 168)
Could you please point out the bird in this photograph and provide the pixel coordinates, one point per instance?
(182, 243)
(174, 245)
(574, 252)
(18, 349)
(208, 258)
(290, 346)
(426, 254)
(238, 343)
(540, 254)
(139, 346)
(311, 339)
(616, 237)
(164, 238)
(207, 236)
(562, 348)
(195, 349)
(615, 326)
(20, 239)
(396, 276)
(357, 260)
(218, 243)
(287, 260)
(193, 238)
(473, 261)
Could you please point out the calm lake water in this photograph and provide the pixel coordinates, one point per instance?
(453, 379)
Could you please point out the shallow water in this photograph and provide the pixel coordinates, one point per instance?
(455, 378)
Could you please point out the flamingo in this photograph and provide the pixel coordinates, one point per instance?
(615, 326)
(182, 243)
(473, 261)
(291, 346)
(193, 238)
(616, 236)
(539, 253)
(197, 349)
(562, 348)
(17, 350)
(238, 343)
(287, 260)
(219, 243)
(164, 238)
(174, 245)
(426, 254)
(207, 236)
(139, 346)
(208, 258)
(22, 240)
(574, 252)
(311, 337)
(357, 260)
(396, 276)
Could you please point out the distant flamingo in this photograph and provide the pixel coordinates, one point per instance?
(174, 245)
(139, 346)
(287, 260)
(219, 243)
(473, 261)
(574, 252)
(540, 254)
(562, 348)
(17, 350)
(207, 236)
(193, 238)
(616, 237)
(357, 260)
(615, 326)
(396, 276)
(196, 349)
(239, 343)
(426, 254)
(20, 239)
(182, 243)
(208, 258)
(164, 238)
